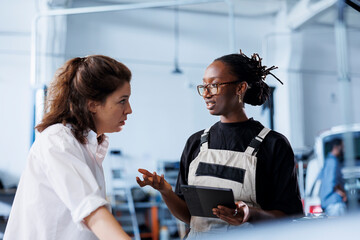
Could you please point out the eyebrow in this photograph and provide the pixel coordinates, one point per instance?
(124, 96)
(212, 78)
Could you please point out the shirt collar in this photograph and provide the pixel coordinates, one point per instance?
(99, 150)
(92, 138)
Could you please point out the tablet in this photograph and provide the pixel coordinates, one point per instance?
(201, 200)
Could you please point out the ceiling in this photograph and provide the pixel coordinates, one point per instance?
(300, 12)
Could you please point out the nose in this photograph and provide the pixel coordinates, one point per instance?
(206, 93)
(128, 109)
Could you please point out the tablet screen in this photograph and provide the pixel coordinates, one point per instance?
(201, 200)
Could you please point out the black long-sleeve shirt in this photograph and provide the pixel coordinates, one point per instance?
(276, 179)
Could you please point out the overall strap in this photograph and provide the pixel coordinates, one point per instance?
(255, 143)
(204, 139)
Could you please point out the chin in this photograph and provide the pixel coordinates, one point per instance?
(117, 129)
(213, 112)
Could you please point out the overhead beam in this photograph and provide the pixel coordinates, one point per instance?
(304, 11)
(122, 7)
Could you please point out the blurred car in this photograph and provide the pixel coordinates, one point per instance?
(312, 203)
(313, 228)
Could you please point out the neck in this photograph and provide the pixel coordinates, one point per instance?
(239, 116)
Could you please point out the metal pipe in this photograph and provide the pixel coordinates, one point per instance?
(232, 35)
(122, 7)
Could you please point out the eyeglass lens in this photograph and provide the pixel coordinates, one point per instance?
(210, 88)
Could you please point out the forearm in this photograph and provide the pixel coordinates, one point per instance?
(177, 206)
(103, 224)
(257, 214)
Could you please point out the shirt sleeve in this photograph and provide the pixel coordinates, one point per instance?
(183, 172)
(285, 194)
(328, 180)
(191, 150)
(70, 176)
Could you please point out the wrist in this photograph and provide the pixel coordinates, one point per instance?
(252, 213)
(166, 191)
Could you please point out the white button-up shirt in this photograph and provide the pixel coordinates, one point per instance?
(62, 184)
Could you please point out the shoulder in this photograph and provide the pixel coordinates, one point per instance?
(331, 160)
(274, 135)
(277, 139)
(276, 146)
(57, 134)
(56, 129)
(254, 127)
(192, 146)
(194, 139)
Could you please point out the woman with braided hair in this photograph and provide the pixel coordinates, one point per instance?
(237, 152)
(61, 194)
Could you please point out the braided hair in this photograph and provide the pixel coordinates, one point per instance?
(251, 71)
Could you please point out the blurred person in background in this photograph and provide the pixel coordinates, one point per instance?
(61, 194)
(332, 194)
(237, 152)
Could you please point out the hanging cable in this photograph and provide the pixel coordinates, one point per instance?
(176, 70)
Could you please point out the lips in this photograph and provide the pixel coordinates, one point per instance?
(210, 104)
(122, 122)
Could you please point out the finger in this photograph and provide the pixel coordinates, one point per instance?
(231, 220)
(141, 183)
(162, 179)
(147, 180)
(216, 212)
(155, 179)
(145, 172)
(225, 210)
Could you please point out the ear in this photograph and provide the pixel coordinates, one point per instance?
(241, 88)
(92, 106)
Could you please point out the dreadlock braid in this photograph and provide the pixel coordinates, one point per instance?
(251, 71)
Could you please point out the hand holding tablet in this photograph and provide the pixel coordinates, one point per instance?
(201, 200)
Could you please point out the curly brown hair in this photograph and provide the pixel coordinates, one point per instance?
(251, 71)
(94, 78)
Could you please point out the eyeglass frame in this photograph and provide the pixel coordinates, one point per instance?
(217, 87)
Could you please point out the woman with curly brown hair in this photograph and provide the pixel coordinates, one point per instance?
(61, 194)
(237, 152)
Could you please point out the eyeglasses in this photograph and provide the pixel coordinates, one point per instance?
(213, 88)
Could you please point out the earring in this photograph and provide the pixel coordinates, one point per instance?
(240, 100)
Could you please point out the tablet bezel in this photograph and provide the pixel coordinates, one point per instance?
(202, 199)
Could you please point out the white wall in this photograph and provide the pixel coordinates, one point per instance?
(15, 91)
(322, 100)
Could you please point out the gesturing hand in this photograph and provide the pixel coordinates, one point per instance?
(152, 179)
(234, 217)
